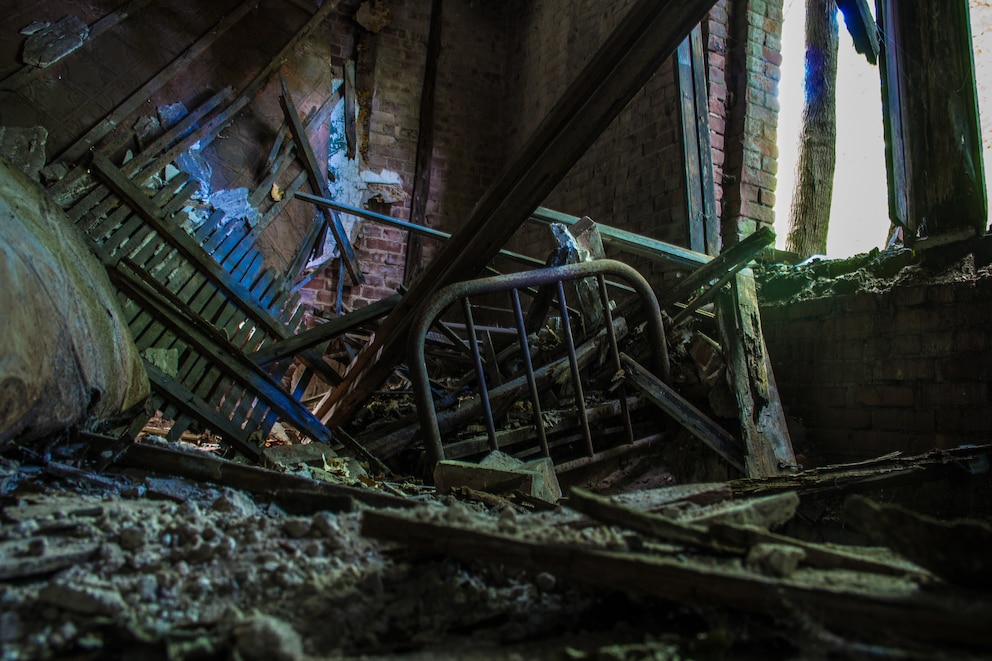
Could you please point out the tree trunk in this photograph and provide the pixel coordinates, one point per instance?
(810, 214)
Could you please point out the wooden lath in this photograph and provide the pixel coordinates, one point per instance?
(207, 297)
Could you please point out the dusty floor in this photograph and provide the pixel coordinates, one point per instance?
(130, 565)
(220, 573)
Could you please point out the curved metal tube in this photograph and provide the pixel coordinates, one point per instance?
(446, 296)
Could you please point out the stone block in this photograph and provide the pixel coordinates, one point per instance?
(500, 473)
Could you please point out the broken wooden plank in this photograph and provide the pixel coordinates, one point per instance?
(861, 24)
(319, 185)
(79, 148)
(847, 607)
(957, 551)
(732, 538)
(648, 33)
(672, 403)
(883, 472)
(310, 338)
(425, 144)
(730, 261)
(209, 468)
(768, 447)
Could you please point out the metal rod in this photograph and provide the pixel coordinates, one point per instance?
(448, 295)
(535, 399)
(611, 335)
(580, 403)
(480, 374)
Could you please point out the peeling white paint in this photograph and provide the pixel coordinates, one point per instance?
(348, 182)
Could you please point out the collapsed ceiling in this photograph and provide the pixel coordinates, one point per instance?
(448, 421)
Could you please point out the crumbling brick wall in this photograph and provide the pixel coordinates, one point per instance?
(869, 374)
(751, 153)
(503, 67)
(467, 128)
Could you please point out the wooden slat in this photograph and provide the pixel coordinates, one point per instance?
(187, 401)
(225, 357)
(669, 401)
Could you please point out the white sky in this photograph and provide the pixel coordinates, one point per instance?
(859, 211)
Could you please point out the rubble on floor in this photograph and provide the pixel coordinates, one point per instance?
(132, 563)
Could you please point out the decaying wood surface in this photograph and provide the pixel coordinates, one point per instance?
(766, 437)
(890, 470)
(900, 609)
(955, 550)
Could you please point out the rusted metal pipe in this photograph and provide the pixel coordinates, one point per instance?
(445, 297)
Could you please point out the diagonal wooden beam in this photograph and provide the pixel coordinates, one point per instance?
(315, 174)
(324, 332)
(645, 37)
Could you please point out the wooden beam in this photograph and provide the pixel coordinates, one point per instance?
(319, 185)
(766, 436)
(649, 33)
(919, 615)
(324, 332)
(861, 25)
(350, 108)
(425, 145)
(672, 403)
(208, 468)
(694, 112)
(79, 148)
(933, 138)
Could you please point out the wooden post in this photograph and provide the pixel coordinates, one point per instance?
(933, 142)
(425, 146)
(694, 115)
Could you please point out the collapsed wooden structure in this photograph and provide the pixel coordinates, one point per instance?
(219, 330)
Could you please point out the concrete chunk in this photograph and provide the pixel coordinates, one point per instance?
(49, 45)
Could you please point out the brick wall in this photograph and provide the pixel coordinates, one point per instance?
(503, 66)
(869, 373)
(751, 154)
(468, 132)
